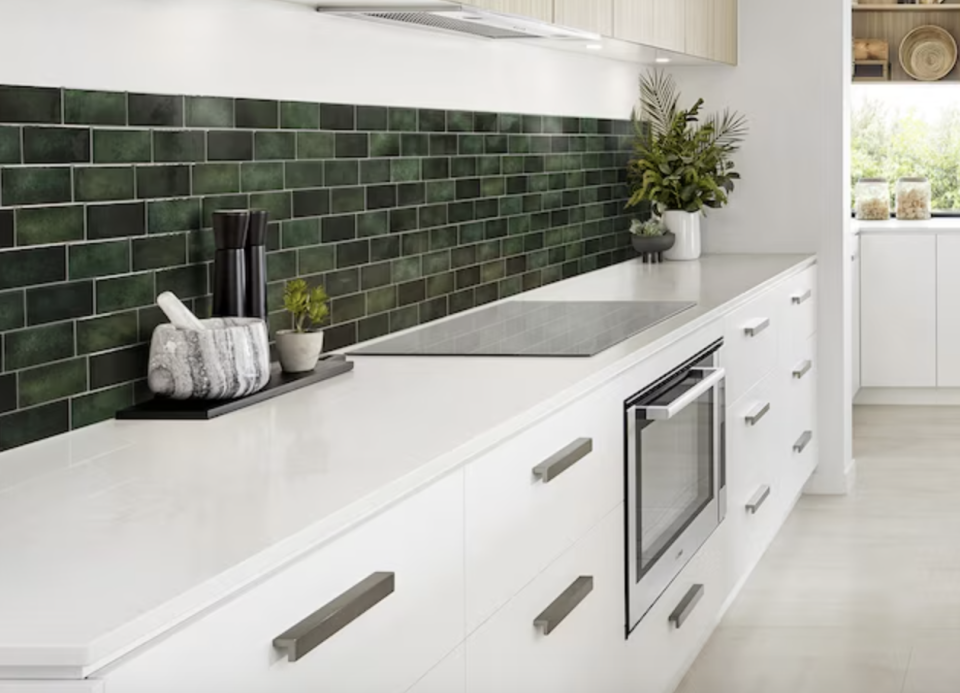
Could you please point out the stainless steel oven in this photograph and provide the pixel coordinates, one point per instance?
(675, 476)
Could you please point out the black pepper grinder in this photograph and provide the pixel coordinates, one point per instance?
(229, 264)
(256, 305)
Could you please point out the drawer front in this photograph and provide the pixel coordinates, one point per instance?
(799, 440)
(751, 441)
(750, 344)
(450, 676)
(797, 302)
(585, 648)
(387, 648)
(530, 499)
(659, 653)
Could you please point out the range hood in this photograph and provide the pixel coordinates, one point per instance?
(460, 19)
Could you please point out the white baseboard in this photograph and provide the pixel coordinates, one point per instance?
(908, 396)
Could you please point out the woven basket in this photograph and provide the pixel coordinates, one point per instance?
(928, 53)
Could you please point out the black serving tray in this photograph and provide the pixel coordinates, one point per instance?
(166, 409)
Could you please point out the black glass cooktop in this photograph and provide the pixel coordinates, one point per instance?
(532, 328)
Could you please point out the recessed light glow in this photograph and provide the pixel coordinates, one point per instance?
(594, 47)
(663, 60)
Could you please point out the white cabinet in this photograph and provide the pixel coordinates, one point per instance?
(450, 676)
(589, 15)
(899, 310)
(948, 310)
(538, 9)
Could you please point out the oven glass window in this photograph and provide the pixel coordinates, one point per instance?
(675, 468)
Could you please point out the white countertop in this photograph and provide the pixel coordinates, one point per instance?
(114, 534)
(895, 226)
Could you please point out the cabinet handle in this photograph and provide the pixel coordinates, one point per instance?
(802, 369)
(757, 327)
(797, 299)
(759, 498)
(754, 417)
(554, 614)
(322, 625)
(561, 461)
(686, 605)
(803, 442)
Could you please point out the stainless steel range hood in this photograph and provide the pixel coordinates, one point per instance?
(460, 19)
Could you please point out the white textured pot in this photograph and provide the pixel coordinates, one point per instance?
(299, 351)
(686, 227)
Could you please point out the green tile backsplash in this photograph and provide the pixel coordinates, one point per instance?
(406, 215)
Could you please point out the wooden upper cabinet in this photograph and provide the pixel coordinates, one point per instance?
(537, 9)
(589, 15)
(657, 23)
(712, 28)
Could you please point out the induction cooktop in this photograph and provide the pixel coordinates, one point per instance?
(532, 328)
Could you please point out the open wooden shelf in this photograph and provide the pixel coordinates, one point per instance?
(892, 23)
(907, 8)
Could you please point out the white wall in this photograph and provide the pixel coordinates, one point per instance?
(271, 49)
(793, 82)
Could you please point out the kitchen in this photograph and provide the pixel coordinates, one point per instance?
(442, 517)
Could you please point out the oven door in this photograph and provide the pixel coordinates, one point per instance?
(675, 478)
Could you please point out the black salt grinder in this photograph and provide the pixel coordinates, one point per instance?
(256, 258)
(229, 264)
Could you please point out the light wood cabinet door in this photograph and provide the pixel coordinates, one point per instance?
(711, 30)
(657, 23)
(589, 15)
(538, 9)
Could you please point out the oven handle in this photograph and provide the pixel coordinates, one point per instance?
(664, 413)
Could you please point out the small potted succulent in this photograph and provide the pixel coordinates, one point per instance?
(299, 349)
(651, 238)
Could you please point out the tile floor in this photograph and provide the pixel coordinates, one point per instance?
(859, 594)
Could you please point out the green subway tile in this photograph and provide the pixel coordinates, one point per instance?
(7, 239)
(403, 220)
(513, 165)
(337, 117)
(372, 118)
(281, 266)
(436, 262)
(460, 121)
(301, 232)
(520, 144)
(384, 248)
(229, 145)
(345, 200)
(121, 146)
(468, 277)
(295, 115)
(102, 183)
(352, 145)
(155, 110)
(431, 120)
(217, 203)
(321, 258)
(510, 206)
(552, 125)
(209, 112)
(463, 167)
(315, 145)
(173, 215)
(373, 327)
(119, 366)
(415, 145)
(184, 282)
(485, 122)
(519, 225)
(441, 239)
(342, 282)
(375, 276)
(40, 225)
(487, 293)
(532, 124)
(32, 186)
(462, 300)
(339, 173)
(470, 145)
(29, 105)
(100, 406)
(123, 293)
(182, 146)
(403, 119)
(435, 169)
(116, 220)
(274, 146)
(159, 251)
(200, 246)
(311, 203)
(347, 308)
(489, 166)
(404, 318)
(373, 224)
(304, 174)
(257, 113)
(493, 187)
(433, 215)
(94, 107)
(261, 176)
(441, 191)
(443, 145)
(278, 204)
(339, 228)
(492, 271)
(415, 243)
(12, 313)
(30, 425)
(353, 253)
(511, 123)
(384, 144)
(405, 170)
(411, 194)
(163, 181)
(38, 345)
(32, 266)
(406, 269)
(381, 300)
(275, 296)
(90, 260)
(374, 171)
(56, 302)
(10, 145)
(8, 392)
(46, 383)
(411, 292)
(214, 179)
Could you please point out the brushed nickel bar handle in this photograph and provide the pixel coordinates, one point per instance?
(757, 327)
(757, 415)
(759, 498)
(686, 605)
(330, 619)
(564, 605)
(562, 460)
(797, 299)
(803, 442)
(802, 369)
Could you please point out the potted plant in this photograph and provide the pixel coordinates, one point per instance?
(651, 238)
(682, 163)
(299, 349)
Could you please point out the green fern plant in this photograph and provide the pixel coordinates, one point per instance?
(308, 306)
(682, 159)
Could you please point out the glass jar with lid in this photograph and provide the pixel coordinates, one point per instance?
(873, 199)
(913, 199)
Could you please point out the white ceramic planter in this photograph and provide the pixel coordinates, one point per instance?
(686, 227)
(299, 352)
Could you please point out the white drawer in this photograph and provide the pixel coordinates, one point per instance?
(586, 650)
(799, 440)
(387, 649)
(659, 653)
(450, 676)
(750, 344)
(517, 523)
(797, 302)
(751, 441)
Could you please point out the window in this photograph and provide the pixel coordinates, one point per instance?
(909, 130)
